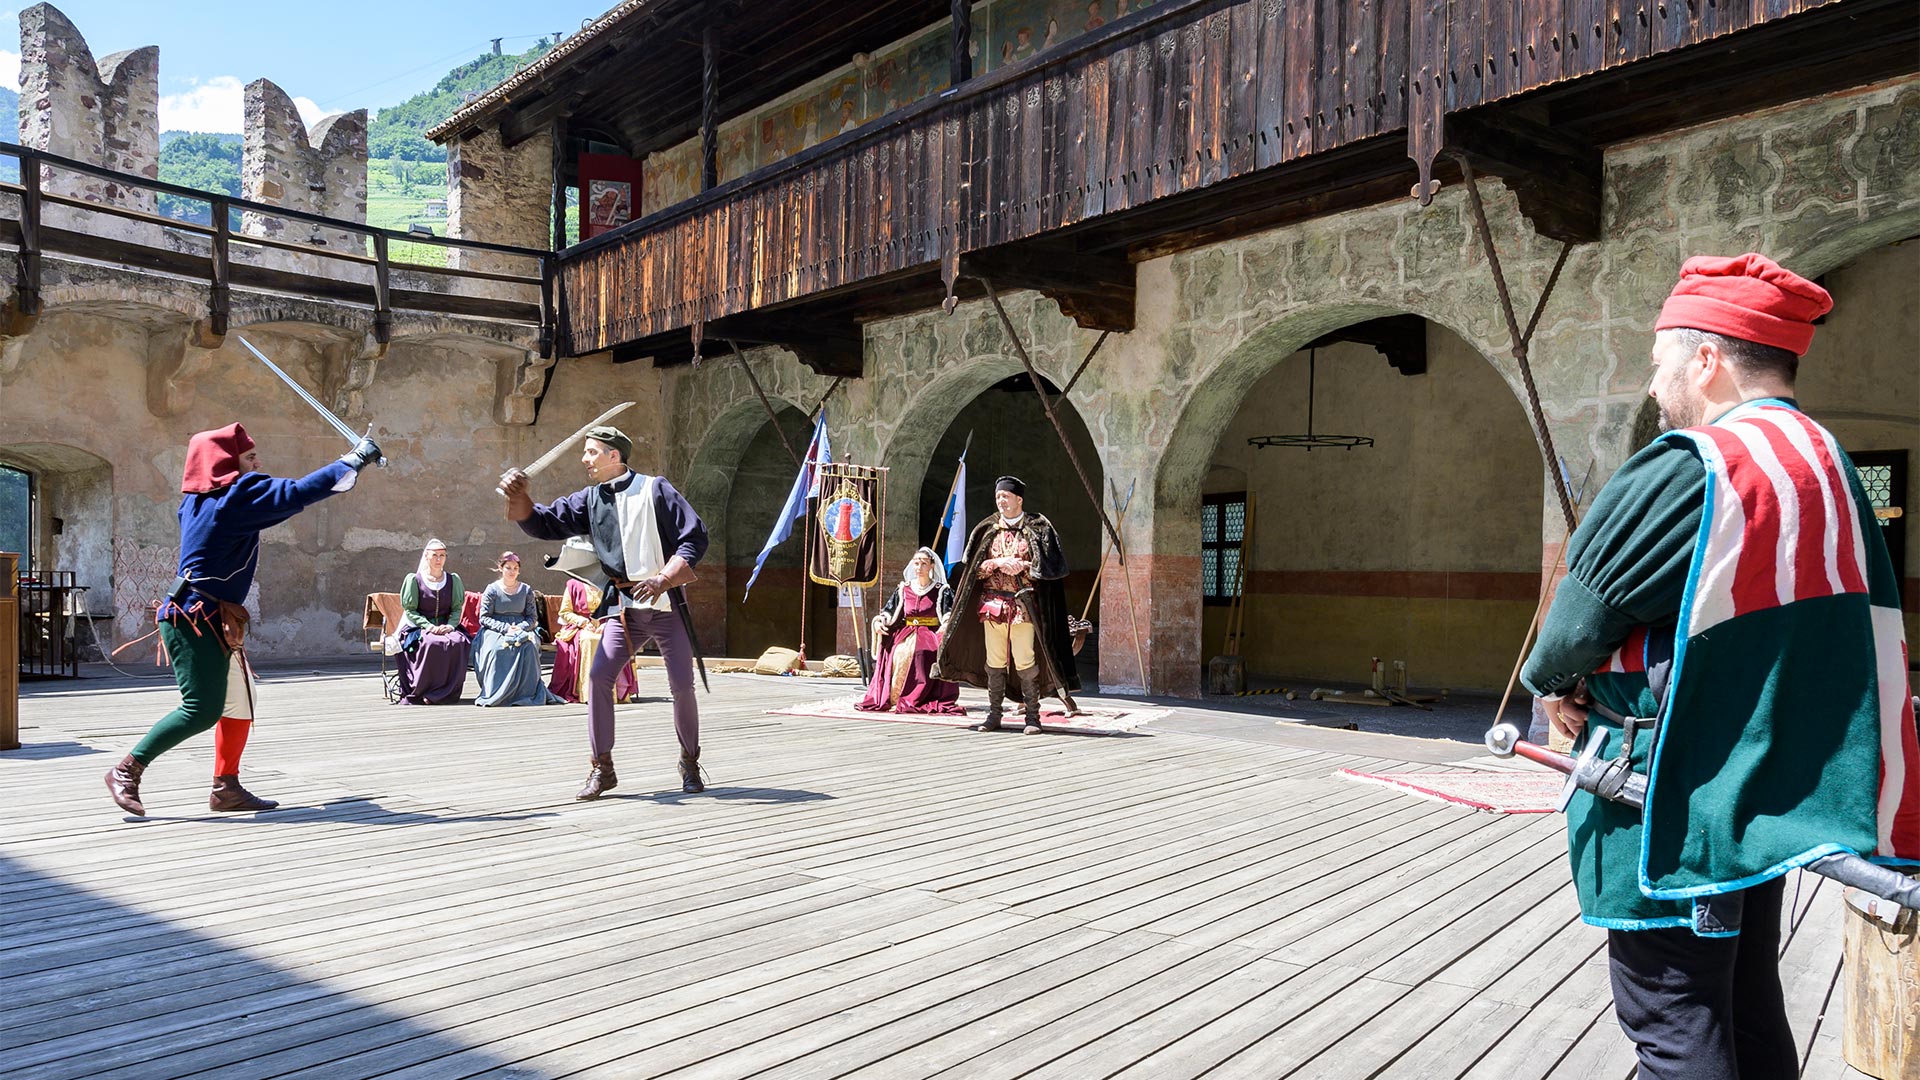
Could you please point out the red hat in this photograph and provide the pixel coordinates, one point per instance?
(213, 459)
(1750, 297)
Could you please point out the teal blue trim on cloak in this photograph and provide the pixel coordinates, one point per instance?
(1680, 635)
(1668, 922)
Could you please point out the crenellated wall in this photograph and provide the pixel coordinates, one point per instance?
(104, 113)
(322, 173)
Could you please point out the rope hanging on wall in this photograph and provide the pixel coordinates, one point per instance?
(1309, 441)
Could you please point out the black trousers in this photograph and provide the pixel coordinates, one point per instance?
(1707, 1008)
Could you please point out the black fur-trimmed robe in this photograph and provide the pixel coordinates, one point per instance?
(963, 650)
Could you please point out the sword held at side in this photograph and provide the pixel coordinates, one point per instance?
(1589, 773)
(561, 447)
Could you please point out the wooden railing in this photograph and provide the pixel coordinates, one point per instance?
(1165, 101)
(173, 246)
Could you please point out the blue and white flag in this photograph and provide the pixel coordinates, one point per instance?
(805, 486)
(954, 517)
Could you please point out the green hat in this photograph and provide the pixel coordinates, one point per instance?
(615, 438)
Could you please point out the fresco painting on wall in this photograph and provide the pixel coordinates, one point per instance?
(736, 149)
(673, 174)
(795, 125)
(914, 70)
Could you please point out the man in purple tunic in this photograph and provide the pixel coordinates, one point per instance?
(648, 539)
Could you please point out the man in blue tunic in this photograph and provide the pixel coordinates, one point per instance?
(226, 502)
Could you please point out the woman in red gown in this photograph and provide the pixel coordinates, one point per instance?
(906, 637)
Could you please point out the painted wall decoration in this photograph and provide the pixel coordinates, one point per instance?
(911, 70)
(609, 203)
(672, 176)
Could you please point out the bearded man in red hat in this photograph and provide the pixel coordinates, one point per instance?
(1729, 627)
(226, 501)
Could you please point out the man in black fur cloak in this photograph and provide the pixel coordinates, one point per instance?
(1010, 611)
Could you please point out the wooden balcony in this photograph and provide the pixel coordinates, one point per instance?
(1185, 123)
(38, 224)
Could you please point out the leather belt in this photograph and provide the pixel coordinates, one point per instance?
(922, 620)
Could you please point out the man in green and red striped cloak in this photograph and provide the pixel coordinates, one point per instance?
(1730, 582)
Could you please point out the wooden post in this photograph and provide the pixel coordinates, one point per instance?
(558, 136)
(1881, 977)
(10, 645)
(806, 565)
(709, 110)
(219, 300)
(382, 306)
(960, 66)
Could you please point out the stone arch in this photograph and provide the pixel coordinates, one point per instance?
(908, 451)
(74, 531)
(1219, 391)
(708, 485)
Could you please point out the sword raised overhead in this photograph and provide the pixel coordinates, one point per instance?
(553, 455)
(325, 413)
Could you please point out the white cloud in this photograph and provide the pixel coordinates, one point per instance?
(218, 105)
(10, 70)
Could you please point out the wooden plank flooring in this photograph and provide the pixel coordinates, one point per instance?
(861, 898)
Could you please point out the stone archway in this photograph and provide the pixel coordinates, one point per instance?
(74, 531)
(1348, 527)
(708, 486)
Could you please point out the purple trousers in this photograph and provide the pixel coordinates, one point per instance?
(617, 642)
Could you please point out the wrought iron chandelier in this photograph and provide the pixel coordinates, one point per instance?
(1310, 441)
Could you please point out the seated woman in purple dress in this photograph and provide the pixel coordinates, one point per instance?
(906, 636)
(434, 670)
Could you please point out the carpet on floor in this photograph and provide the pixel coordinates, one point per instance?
(1502, 792)
(1092, 721)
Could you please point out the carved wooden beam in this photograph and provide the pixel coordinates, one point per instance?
(832, 347)
(1402, 339)
(1095, 291)
(1554, 176)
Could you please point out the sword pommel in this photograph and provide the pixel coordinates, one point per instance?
(1501, 739)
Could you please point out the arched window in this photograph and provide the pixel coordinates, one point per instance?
(17, 513)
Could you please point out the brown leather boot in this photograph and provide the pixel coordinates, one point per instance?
(996, 700)
(1030, 700)
(600, 780)
(123, 783)
(690, 775)
(229, 795)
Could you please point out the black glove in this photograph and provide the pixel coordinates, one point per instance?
(364, 453)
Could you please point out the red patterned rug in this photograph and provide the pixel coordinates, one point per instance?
(1503, 792)
(1090, 721)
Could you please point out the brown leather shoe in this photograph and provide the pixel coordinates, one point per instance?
(123, 783)
(229, 795)
(600, 779)
(690, 781)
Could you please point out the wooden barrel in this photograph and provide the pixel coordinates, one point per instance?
(1881, 981)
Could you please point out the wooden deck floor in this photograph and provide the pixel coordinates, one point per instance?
(848, 899)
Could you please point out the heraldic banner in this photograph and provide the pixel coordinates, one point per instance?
(852, 502)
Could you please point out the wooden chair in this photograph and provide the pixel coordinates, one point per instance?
(381, 621)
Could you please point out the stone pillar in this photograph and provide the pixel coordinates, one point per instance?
(501, 195)
(325, 173)
(104, 114)
(1161, 585)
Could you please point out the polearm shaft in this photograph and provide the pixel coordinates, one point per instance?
(353, 438)
(1590, 774)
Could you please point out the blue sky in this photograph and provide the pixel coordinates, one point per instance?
(330, 57)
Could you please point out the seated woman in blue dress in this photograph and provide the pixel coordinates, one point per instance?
(433, 670)
(507, 657)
